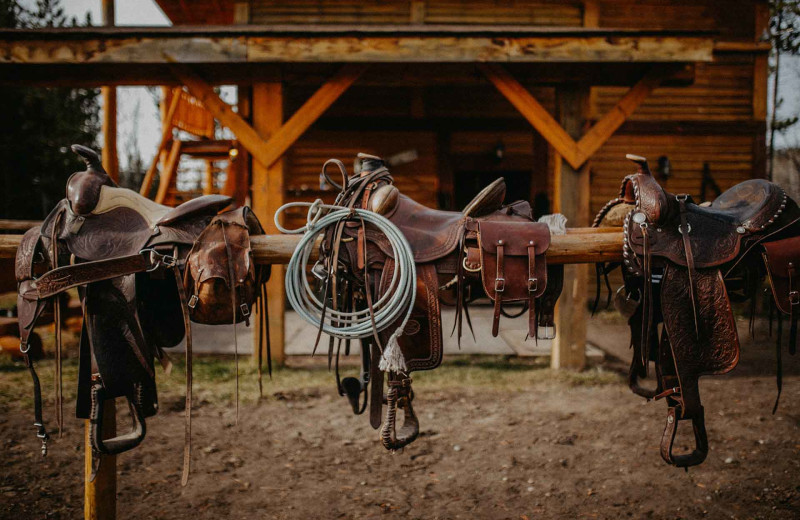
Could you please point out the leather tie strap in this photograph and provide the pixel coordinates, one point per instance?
(187, 446)
(794, 305)
(533, 286)
(499, 287)
(685, 229)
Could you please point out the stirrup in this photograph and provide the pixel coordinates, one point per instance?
(399, 396)
(698, 455)
(119, 443)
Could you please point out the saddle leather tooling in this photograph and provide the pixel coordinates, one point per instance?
(489, 245)
(682, 265)
(142, 271)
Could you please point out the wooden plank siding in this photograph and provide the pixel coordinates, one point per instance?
(554, 13)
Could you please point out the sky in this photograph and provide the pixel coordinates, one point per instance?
(139, 101)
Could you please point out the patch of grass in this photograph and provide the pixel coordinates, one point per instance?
(214, 379)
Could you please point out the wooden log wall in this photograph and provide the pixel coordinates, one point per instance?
(510, 12)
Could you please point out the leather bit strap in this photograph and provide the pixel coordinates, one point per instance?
(533, 286)
(499, 288)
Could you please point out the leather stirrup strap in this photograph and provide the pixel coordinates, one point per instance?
(779, 363)
(58, 380)
(499, 287)
(232, 286)
(187, 445)
(684, 230)
(67, 277)
(533, 286)
(794, 305)
(41, 431)
(647, 301)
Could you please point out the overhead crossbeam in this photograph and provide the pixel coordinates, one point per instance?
(267, 151)
(575, 153)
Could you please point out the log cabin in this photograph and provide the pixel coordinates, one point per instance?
(453, 93)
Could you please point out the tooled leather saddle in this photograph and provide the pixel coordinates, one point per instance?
(142, 271)
(682, 264)
(499, 249)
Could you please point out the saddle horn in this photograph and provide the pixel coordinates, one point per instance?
(644, 168)
(90, 157)
(83, 188)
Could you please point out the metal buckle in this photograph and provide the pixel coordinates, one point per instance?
(469, 269)
(794, 297)
(245, 310)
(546, 332)
(683, 197)
(24, 347)
(192, 303)
(533, 284)
(158, 260)
(499, 284)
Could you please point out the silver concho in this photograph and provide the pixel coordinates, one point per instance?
(625, 303)
(639, 217)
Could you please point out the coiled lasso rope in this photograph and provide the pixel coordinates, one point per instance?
(398, 299)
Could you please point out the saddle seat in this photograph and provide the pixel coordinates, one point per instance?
(753, 204)
(715, 232)
(156, 214)
(433, 234)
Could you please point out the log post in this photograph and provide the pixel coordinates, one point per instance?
(572, 190)
(267, 197)
(100, 495)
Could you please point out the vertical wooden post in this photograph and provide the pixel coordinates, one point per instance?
(760, 93)
(267, 196)
(572, 189)
(100, 495)
(109, 95)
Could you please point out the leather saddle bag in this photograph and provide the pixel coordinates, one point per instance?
(221, 277)
(513, 265)
(782, 259)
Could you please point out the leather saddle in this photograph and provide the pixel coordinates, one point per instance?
(488, 247)
(680, 261)
(127, 257)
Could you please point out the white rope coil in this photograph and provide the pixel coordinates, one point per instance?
(396, 301)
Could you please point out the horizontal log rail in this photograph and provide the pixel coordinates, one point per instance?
(579, 245)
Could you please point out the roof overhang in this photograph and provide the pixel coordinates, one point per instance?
(143, 55)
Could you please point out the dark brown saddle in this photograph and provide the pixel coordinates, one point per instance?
(681, 261)
(128, 258)
(500, 249)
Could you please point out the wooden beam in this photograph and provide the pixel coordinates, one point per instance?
(569, 346)
(166, 137)
(319, 102)
(532, 110)
(574, 153)
(591, 13)
(109, 152)
(169, 171)
(609, 123)
(268, 152)
(223, 112)
(268, 193)
(360, 44)
(579, 245)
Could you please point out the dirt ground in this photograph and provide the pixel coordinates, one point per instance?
(502, 438)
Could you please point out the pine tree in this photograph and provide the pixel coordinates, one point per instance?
(39, 125)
